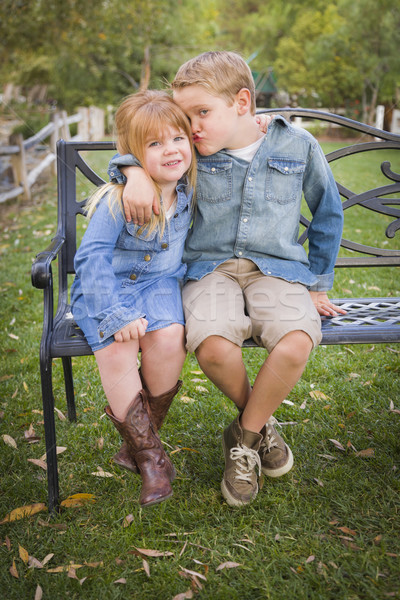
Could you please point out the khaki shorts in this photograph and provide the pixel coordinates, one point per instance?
(237, 301)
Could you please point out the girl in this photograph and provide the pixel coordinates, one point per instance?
(126, 293)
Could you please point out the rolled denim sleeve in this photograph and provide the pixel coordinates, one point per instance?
(325, 230)
(119, 161)
(105, 300)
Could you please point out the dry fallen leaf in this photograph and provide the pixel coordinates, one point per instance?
(319, 482)
(59, 450)
(146, 567)
(187, 399)
(13, 570)
(201, 389)
(184, 596)
(23, 511)
(38, 462)
(367, 453)
(23, 554)
(60, 414)
(127, 520)
(101, 473)
(194, 574)
(35, 563)
(7, 439)
(228, 565)
(318, 395)
(78, 500)
(121, 580)
(38, 593)
(153, 553)
(310, 559)
(337, 444)
(348, 531)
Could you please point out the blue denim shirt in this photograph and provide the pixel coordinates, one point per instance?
(253, 210)
(114, 264)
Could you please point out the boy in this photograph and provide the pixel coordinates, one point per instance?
(246, 273)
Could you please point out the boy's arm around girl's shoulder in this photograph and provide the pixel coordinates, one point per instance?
(139, 196)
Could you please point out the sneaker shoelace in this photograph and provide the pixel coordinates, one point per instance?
(269, 442)
(246, 459)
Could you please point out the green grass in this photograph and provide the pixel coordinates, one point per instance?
(334, 505)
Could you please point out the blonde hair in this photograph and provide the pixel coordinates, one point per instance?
(220, 73)
(140, 117)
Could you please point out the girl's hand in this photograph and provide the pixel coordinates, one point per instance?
(324, 306)
(132, 331)
(263, 120)
(139, 197)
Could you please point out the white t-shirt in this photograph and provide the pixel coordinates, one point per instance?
(247, 152)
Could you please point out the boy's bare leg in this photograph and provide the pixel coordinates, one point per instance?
(221, 360)
(278, 375)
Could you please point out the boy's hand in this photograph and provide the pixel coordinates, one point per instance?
(138, 197)
(324, 306)
(132, 331)
(263, 120)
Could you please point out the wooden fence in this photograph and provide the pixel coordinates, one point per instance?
(90, 128)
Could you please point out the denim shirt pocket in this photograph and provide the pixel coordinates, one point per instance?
(134, 237)
(284, 180)
(214, 181)
(182, 220)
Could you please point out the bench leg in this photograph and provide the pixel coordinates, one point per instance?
(69, 387)
(50, 433)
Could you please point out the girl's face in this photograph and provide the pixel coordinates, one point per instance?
(167, 158)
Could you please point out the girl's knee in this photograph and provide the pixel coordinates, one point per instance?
(168, 340)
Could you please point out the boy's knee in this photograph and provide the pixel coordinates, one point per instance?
(214, 349)
(295, 347)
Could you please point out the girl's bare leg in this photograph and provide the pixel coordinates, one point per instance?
(119, 374)
(163, 355)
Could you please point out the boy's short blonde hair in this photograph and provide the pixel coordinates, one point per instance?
(220, 73)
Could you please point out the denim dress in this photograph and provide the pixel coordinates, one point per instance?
(123, 274)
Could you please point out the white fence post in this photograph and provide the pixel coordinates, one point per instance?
(18, 163)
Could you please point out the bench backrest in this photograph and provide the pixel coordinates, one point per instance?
(379, 199)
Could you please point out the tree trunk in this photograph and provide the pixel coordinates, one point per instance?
(146, 70)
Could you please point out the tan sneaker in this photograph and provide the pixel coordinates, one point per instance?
(276, 456)
(239, 485)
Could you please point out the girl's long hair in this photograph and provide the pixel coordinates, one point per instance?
(140, 117)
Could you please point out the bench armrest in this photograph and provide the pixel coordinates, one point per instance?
(41, 267)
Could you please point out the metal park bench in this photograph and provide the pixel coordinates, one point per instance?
(368, 320)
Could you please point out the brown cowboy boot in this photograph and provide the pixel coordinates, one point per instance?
(159, 406)
(144, 445)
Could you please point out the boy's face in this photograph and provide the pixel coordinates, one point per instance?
(214, 123)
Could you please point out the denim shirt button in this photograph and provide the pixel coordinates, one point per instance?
(164, 246)
(245, 220)
(250, 179)
(240, 253)
(147, 257)
(133, 276)
(101, 334)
